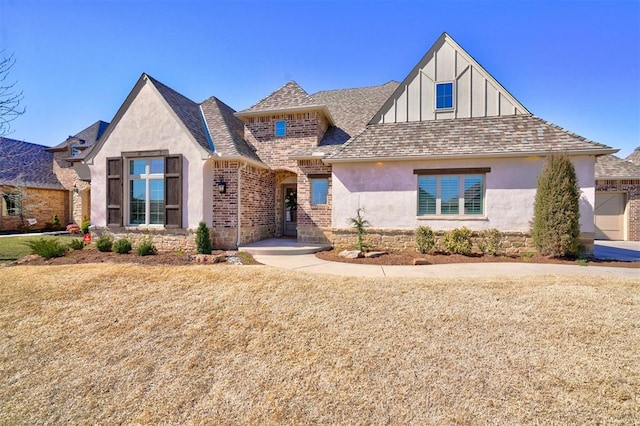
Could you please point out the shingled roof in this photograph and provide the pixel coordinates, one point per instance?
(464, 137)
(634, 157)
(26, 164)
(187, 110)
(226, 130)
(86, 139)
(289, 96)
(612, 167)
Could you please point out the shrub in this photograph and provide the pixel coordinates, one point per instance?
(85, 226)
(76, 244)
(46, 247)
(73, 228)
(104, 243)
(556, 225)
(55, 221)
(122, 246)
(490, 241)
(203, 240)
(425, 239)
(360, 223)
(146, 248)
(458, 241)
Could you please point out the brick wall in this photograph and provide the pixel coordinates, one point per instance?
(39, 204)
(313, 221)
(257, 205)
(224, 230)
(632, 188)
(304, 130)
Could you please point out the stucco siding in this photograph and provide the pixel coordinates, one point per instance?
(149, 125)
(388, 193)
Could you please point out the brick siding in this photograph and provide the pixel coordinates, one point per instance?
(40, 204)
(313, 220)
(632, 189)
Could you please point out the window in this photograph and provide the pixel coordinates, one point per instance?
(319, 191)
(444, 95)
(451, 195)
(281, 128)
(146, 191)
(73, 149)
(11, 204)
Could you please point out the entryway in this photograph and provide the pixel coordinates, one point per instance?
(290, 208)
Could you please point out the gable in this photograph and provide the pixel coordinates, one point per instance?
(475, 92)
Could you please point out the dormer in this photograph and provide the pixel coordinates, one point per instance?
(287, 114)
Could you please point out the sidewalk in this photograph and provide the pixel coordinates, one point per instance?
(310, 263)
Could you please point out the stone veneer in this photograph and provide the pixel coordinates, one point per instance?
(397, 240)
(163, 239)
(68, 177)
(631, 187)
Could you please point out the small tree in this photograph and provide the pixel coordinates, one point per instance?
(203, 240)
(360, 223)
(556, 221)
(10, 98)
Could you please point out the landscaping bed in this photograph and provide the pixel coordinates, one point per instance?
(409, 258)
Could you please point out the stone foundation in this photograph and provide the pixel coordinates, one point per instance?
(314, 234)
(163, 239)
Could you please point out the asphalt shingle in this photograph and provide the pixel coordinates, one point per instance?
(289, 96)
(26, 164)
(634, 157)
(612, 167)
(517, 134)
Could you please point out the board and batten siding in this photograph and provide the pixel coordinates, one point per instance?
(476, 92)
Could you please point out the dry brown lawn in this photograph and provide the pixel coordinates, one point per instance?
(253, 345)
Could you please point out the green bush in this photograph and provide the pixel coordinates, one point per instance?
(203, 240)
(85, 226)
(76, 244)
(55, 221)
(104, 243)
(122, 246)
(490, 241)
(458, 241)
(425, 239)
(146, 248)
(556, 220)
(359, 223)
(46, 247)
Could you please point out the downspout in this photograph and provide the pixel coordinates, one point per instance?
(240, 167)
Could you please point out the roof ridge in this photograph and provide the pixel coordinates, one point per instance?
(356, 88)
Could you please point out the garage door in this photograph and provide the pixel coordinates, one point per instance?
(609, 216)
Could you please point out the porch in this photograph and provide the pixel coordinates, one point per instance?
(282, 246)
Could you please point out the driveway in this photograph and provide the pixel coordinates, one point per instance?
(617, 250)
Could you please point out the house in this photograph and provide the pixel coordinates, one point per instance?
(31, 193)
(617, 201)
(72, 173)
(447, 147)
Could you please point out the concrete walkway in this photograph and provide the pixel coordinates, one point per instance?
(619, 250)
(310, 263)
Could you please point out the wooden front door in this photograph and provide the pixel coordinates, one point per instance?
(290, 210)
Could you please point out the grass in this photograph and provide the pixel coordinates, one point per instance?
(12, 248)
(257, 345)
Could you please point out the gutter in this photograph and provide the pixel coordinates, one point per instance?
(239, 199)
(470, 156)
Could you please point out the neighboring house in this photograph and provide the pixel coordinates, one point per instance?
(634, 157)
(448, 147)
(72, 173)
(30, 192)
(617, 205)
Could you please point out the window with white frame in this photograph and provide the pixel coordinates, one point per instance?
(146, 191)
(443, 192)
(444, 95)
(281, 128)
(319, 190)
(74, 150)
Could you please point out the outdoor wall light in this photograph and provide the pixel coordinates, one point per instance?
(222, 186)
(75, 188)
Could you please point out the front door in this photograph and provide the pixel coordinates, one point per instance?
(290, 208)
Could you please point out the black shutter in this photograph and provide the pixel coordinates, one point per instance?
(173, 191)
(114, 191)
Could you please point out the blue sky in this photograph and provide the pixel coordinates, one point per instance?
(576, 64)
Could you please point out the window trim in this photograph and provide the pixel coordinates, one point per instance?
(318, 177)
(283, 130)
(147, 177)
(453, 96)
(16, 202)
(461, 173)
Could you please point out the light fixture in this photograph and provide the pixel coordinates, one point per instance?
(222, 186)
(75, 188)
